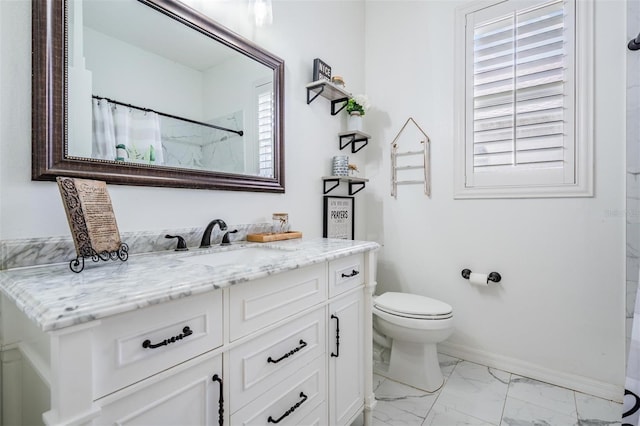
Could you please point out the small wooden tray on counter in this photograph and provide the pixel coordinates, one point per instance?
(266, 237)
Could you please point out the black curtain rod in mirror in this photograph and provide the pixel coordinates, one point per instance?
(634, 43)
(213, 126)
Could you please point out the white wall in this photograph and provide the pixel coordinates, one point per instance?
(301, 31)
(228, 81)
(558, 314)
(129, 74)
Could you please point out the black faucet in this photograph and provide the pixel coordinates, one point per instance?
(206, 237)
(225, 238)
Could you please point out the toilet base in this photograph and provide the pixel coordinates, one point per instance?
(416, 364)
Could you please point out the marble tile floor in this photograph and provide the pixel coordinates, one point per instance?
(478, 395)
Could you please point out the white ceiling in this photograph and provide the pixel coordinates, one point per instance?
(137, 24)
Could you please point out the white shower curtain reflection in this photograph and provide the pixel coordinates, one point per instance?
(139, 133)
(103, 144)
(136, 134)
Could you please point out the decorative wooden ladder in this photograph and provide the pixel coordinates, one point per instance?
(424, 153)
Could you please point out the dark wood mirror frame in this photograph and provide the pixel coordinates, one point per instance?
(49, 109)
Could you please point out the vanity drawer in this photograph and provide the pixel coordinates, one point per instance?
(259, 364)
(135, 345)
(317, 417)
(257, 304)
(298, 396)
(188, 396)
(345, 273)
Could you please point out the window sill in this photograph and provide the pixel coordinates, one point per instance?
(462, 193)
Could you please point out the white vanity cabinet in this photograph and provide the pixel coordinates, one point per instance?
(289, 348)
(345, 274)
(346, 358)
(154, 365)
(171, 346)
(135, 345)
(314, 355)
(189, 394)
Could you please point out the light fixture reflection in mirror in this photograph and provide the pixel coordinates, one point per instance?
(262, 12)
(157, 94)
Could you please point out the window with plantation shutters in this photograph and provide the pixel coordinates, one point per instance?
(265, 129)
(520, 129)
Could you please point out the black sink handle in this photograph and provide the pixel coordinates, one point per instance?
(182, 245)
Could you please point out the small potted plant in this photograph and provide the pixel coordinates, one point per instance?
(356, 108)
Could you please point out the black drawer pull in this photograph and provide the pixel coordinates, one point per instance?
(352, 274)
(185, 333)
(337, 354)
(217, 378)
(290, 410)
(288, 354)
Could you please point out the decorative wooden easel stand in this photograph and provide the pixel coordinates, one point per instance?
(77, 264)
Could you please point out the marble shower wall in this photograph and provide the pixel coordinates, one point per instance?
(633, 165)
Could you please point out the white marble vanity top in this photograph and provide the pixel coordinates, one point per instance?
(54, 297)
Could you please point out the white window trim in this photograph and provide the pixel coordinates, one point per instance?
(584, 89)
(257, 90)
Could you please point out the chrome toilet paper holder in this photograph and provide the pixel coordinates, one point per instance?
(493, 276)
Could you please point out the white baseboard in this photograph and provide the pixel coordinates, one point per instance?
(533, 371)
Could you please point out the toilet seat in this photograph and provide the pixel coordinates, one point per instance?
(413, 306)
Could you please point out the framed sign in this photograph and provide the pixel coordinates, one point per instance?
(92, 221)
(321, 70)
(338, 217)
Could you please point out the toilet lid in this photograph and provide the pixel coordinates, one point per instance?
(412, 305)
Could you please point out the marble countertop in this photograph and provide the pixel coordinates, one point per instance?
(54, 297)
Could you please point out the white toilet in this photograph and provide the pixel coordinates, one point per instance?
(415, 324)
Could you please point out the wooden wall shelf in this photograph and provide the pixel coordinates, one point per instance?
(335, 94)
(354, 183)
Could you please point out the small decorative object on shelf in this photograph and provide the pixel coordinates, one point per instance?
(92, 221)
(340, 165)
(321, 70)
(337, 80)
(354, 122)
(356, 108)
(353, 170)
(280, 222)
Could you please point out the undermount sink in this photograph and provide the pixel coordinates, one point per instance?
(244, 255)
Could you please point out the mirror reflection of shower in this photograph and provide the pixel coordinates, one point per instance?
(215, 105)
(188, 145)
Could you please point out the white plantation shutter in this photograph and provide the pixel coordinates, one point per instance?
(265, 130)
(520, 115)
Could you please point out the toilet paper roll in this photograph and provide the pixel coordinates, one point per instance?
(479, 279)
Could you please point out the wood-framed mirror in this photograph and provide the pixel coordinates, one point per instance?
(153, 93)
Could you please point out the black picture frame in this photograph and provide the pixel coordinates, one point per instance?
(338, 217)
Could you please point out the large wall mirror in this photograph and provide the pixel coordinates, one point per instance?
(151, 92)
